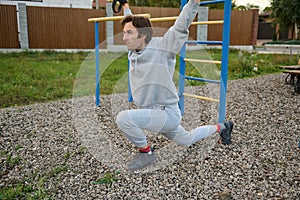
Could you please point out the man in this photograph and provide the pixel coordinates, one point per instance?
(152, 65)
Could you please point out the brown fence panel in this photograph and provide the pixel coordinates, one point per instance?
(8, 27)
(215, 31)
(62, 28)
(241, 27)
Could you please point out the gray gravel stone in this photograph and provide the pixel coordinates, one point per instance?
(63, 147)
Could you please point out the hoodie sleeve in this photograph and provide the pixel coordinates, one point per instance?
(176, 36)
(127, 11)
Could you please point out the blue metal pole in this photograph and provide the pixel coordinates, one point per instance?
(211, 2)
(183, 2)
(224, 65)
(201, 79)
(203, 42)
(97, 92)
(182, 71)
(130, 99)
(182, 66)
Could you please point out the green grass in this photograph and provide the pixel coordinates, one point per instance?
(31, 190)
(19, 191)
(288, 42)
(30, 77)
(30, 186)
(108, 179)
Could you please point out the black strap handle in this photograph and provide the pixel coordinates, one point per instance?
(117, 5)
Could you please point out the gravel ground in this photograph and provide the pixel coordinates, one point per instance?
(63, 149)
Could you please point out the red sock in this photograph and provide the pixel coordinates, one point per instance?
(218, 128)
(145, 150)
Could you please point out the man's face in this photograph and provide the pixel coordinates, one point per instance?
(131, 39)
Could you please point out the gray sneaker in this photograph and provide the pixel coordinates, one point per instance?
(141, 160)
(226, 133)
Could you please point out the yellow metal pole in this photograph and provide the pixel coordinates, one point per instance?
(208, 22)
(201, 97)
(202, 61)
(113, 18)
(159, 19)
(163, 19)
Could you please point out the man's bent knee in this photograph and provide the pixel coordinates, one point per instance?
(122, 119)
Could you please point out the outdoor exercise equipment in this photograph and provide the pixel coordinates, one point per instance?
(223, 62)
(182, 77)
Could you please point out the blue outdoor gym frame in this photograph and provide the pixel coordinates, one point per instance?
(224, 64)
(182, 76)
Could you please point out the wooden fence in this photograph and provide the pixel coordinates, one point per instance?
(243, 27)
(8, 27)
(62, 28)
(68, 28)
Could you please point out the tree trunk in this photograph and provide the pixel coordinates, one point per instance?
(297, 31)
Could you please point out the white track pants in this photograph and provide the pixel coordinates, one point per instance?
(164, 121)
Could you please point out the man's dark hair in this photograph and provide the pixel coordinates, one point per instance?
(142, 24)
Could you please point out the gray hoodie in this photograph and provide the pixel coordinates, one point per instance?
(151, 70)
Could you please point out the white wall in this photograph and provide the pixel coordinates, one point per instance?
(52, 3)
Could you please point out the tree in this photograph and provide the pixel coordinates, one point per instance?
(240, 7)
(287, 14)
(220, 6)
(267, 9)
(247, 7)
(155, 3)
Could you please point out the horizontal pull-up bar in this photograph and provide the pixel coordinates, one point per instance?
(159, 19)
(113, 18)
(165, 19)
(200, 97)
(208, 22)
(202, 61)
